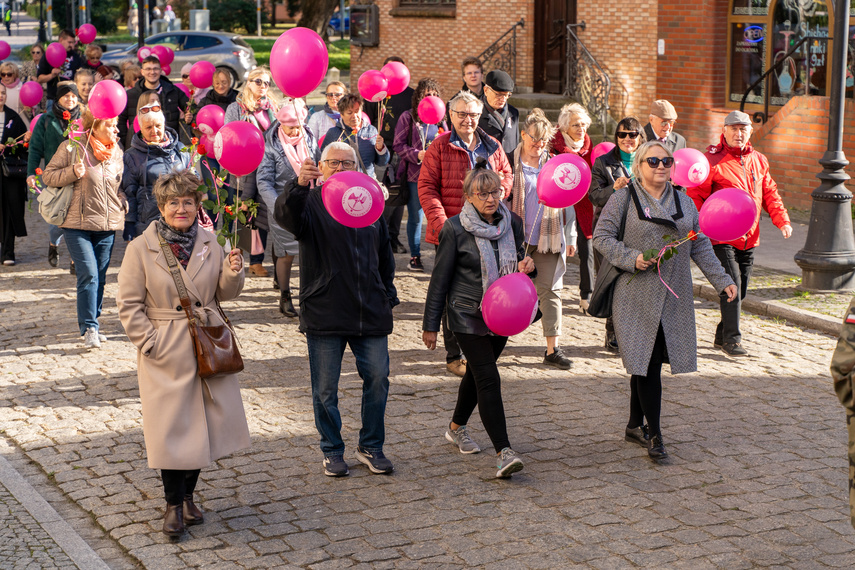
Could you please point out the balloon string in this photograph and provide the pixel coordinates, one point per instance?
(534, 223)
(423, 135)
(305, 136)
(204, 161)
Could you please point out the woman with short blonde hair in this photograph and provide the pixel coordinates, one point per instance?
(10, 78)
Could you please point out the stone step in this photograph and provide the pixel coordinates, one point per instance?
(543, 100)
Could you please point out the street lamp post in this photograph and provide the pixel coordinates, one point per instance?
(42, 34)
(827, 259)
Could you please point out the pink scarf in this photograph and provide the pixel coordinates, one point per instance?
(295, 152)
(14, 85)
(263, 120)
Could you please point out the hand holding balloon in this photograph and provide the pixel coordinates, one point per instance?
(526, 265)
(308, 172)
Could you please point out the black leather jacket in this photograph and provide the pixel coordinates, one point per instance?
(455, 283)
(607, 169)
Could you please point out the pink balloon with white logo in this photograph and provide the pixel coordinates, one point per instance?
(601, 149)
(210, 119)
(55, 54)
(728, 214)
(87, 33)
(431, 110)
(353, 199)
(31, 93)
(143, 53)
(166, 69)
(397, 77)
(510, 304)
(563, 180)
(691, 168)
(239, 147)
(373, 86)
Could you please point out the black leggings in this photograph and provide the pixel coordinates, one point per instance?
(645, 399)
(178, 483)
(482, 386)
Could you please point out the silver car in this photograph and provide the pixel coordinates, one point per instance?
(225, 51)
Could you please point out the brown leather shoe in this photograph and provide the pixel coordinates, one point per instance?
(173, 520)
(192, 513)
(257, 270)
(457, 367)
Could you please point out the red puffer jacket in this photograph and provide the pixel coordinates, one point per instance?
(746, 169)
(584, 208)
(441, 179)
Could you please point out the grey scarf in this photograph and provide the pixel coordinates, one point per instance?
(180, 242)
(485, 233)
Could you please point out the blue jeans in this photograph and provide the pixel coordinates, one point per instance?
(90, 252)
(414, 220)
(55, 234)
(372, 363)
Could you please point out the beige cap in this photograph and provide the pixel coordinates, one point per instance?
(664, 110)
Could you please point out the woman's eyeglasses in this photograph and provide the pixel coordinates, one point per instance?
(153, 108)
(7, 74)
(334, 95)
(35, 52)
(653, 161)
(624, 134)
(261, 82)
(185, 76)
(495, 194)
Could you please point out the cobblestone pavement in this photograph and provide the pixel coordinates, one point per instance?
(757, 474)
(23, 542)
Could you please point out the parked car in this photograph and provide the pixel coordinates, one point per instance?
(224, 50)
(334, 26)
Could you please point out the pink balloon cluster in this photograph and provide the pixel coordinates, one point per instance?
(728, 214)
(239, 147)
(510, 304)
(353, 199)
(392, 79)
(298, 62)
(563, 180)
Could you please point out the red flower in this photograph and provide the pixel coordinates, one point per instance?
(194, 141)
(693, 235)
(192, 91)
(26, 145)
(202, 150)
(229, 210)
(66, 115)
(441, 130)
(38, 171)
(193, 125)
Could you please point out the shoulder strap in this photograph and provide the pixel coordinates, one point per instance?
(172, 262)
(623, 219)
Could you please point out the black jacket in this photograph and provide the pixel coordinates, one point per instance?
(455, 283)
(173, 103)
(607, 168)
(673, 142)
(395, 107)
(502, 125)
(346, 274)
(214, 98)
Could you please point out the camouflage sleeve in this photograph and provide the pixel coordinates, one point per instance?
(843, 360)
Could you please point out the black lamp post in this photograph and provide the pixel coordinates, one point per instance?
(827, 259)
(42, 32)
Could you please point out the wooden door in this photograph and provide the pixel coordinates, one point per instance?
(550, 31)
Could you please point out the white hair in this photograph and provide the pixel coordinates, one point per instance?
(337, 145)
(570, 111)
(467, 99)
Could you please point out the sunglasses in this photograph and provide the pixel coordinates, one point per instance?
(152, 108)
(185, 76)
(7, 75)
(334, 95)
(624, 134)
(261, 82)
(35, 52)
(653, 161)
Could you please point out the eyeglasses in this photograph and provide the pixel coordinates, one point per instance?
(667, 122)
(334, 95)
(155, 108)
(185, 76)
(261, 82)
(465, 115)
(500, 94)
(495, 194)
(624, 134)
(473, 72)
(653, 161)
(185, 204)
(346, 164)
(151, 68)
(536, 141)
(36, 52)
(7, 74)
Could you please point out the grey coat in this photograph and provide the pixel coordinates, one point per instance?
(640, 306)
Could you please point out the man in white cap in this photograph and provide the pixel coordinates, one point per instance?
(735, 164)
(660, 127)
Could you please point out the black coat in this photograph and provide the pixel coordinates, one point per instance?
(395, 107)
(173, 103)
(674, 142)
(14, 189)
(221, 101)
(502, 126)
(346, 274)
(455, 283)
(607, 168)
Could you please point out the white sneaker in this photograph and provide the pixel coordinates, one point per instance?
(90, 338)
(102, 338)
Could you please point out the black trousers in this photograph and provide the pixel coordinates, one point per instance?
(645, 400)
(178, 483)
(452, 348)
(481, 386)
(393, 216)
(585, 248)
(738, 264)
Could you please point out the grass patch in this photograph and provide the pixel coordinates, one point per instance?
(339, 51)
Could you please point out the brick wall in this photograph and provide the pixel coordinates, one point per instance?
(434, 47)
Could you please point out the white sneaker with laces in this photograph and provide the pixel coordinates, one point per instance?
(90, 338)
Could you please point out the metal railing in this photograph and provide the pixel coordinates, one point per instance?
(763, 116)
(585, 81)
(502, 53)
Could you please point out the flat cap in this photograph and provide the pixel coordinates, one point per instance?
(498, 80)
(664, 110)
(737, 118)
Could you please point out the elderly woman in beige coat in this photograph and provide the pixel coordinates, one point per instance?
(188, 422)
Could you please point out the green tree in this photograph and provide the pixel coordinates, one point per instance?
(105, 14)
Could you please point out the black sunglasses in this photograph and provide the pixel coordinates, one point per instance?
(7, 75)
(624, 134)
(185, 76)
(653, 161)
(261, 83)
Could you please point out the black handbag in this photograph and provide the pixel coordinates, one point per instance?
(16, 169)
(399, 189)
(600, 303)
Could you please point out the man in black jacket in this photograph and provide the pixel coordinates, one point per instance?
(50, 75)
(660, 127)
(173, 101)
(499, 119)
(347, 292)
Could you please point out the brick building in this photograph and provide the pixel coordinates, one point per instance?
(702, 55)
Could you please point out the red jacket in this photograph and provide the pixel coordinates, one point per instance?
(746, 169)
(441, 178)
(584, 208)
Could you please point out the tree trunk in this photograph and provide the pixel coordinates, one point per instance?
(316, 15)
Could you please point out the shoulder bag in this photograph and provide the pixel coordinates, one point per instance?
(600, 303)
(54, 203)
(215, 345)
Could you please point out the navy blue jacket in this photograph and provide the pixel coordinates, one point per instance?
(366, 137)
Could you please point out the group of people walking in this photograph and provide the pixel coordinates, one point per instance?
(474, 178)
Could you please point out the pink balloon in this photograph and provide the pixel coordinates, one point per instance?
(169, 55)
(510, 304)
(397, 75)
(728, 214)
(34, 121)
(202, 74)
(431, 110)
(143, 53)
(373, 86)
(31, 93)
(55, 54)
(87, 33)
(563, 180)
(321, 141)
(353, 199)
(5, 50)
(299, 61)
(206, 142)
(160, 53)
(107, 99)
(239, 147)
(366, 120)
(136, 124)
(210, 119)
(166, 69)
(691, 168)
(601, 149)
(183, 88)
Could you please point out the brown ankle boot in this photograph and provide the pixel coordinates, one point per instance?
(173, 520)
(192, 513)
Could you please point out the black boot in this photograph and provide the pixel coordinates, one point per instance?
(286, 307)
(173, 520)
(53, 255)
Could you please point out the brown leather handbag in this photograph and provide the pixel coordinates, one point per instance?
(215, 345)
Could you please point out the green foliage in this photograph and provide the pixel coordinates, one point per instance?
(105, 14)
(231, 15)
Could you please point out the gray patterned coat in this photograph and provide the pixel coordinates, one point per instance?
(638, 307)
